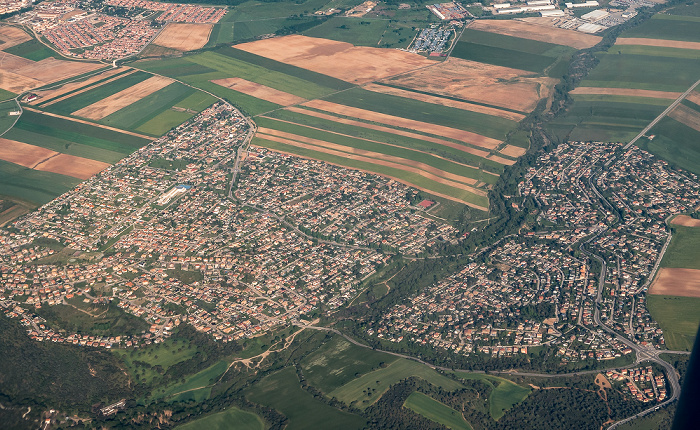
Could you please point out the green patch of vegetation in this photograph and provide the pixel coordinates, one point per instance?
(377, 33)
(338, 362)
(672, 27)
(33, 185)
(7, 108)
(678, 317)
(502, 56)
(412, 178)
(149, 362)
(6, 95)
(230, 419)
(505, 393)
(654, 51)
(199, 381)
(197, 101)
(65, 146)
(608, 98)
(436, 411)
(79, 101)
(282, 391)
(366, 389)
(164, 122)
(185, 276)
(32, 50)
(476, 122)
(514, 43)
(98, 82)
(676, 143)
(683, 252)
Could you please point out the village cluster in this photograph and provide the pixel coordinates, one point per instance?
(641, 382)
(160, 236)
(540, 288)
(97, 35)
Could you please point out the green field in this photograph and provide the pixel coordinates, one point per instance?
(5, 95)
(678, 317)
(67, 147)
(409, 177)
(32, 50)
(394, 139)
(197, 101)
(654, 51)
(195, 386)
(6, 120)
(684, 250)
(480, 123)
(505, 394)
(82, 87)
(377, 33)
(368, 388)
(436, 411)
(163, 122)
(673, 27)
(79, 101)
(282, 391)
(338, 362)
(33, 185)
(230, 419)
(676, 143)
(157, 358)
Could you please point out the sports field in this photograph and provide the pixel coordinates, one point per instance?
(281, 391)
(436, 411)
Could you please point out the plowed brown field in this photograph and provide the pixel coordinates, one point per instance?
(479, 82)
(70, 165)
(513, 151)
(30, 74)
(677, 282)
(686, 221)
(11, 36)
(260, 91)
(184, 37)
(687, 116)
(357, 64)
(23, 154)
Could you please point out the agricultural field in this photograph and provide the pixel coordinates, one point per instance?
(436, 411)
(32, 50)
(377, 33)
(184, 37)
(678, 317)
(282, 391)
(230, 419)
(195, 387)
(368, 388)
(683, 252)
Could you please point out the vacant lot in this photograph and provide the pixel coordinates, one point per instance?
(184, 37)
(282, 392)
(541, 33)
(395, 121)
(436, 411)
(627, 92)
(70, 165)
(260, 91)
(686, 221)
(478, 82)
(657, 42)
(123, 98)
(357, 64)
(687, 116)
(677, 282)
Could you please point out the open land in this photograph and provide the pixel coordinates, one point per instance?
(70, 165)
(22, 76)
(478, 82)
(49, 97)
(678, 317)
(677, 282)
(436, 411)
(687, 116)
(260, 91)
(513, 151)
(22, 153)
(627, 92)
(123, 98)
(694, 97)
(230, 419)
(541, 33)
(663, 43)
(184, 37)
(685, 221)
(360, 64)
(11, 36)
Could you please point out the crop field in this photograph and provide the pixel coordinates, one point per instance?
(33, 185)
(281, 391)
(676, 143)
(380, 33)
(436, 411)
(678, 317)
(230, 419)
(184, 37)
(656, 48)
(541, 33)
(368, 388)
(59, 92)
(20, 74)
(505, 394)
(673, 27)
(32, 50)
(683, 252)
(108, 105)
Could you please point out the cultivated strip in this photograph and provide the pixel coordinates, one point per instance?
(627, 92)
(91, 86)
(657, 42)
(260, 91)
(687, 116)
(106, 127)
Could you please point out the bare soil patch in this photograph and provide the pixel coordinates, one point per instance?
(357, 64)
(677, 282)
(513, 151)
(70, 165)
(123, 98)
(11, 36)
(479, 82)
(687, 116)
(30, 74)
(686, 221)
(184, 37)
(260, 91)
(455, 145)
(11, 62)
(23, 154)
(89, 84)
(627, 92)
(542, 33)
(694, 97)
(657, 42)
(409, 165)
(445, 102)
(501, 160)
(452, 133)
(601, 381)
